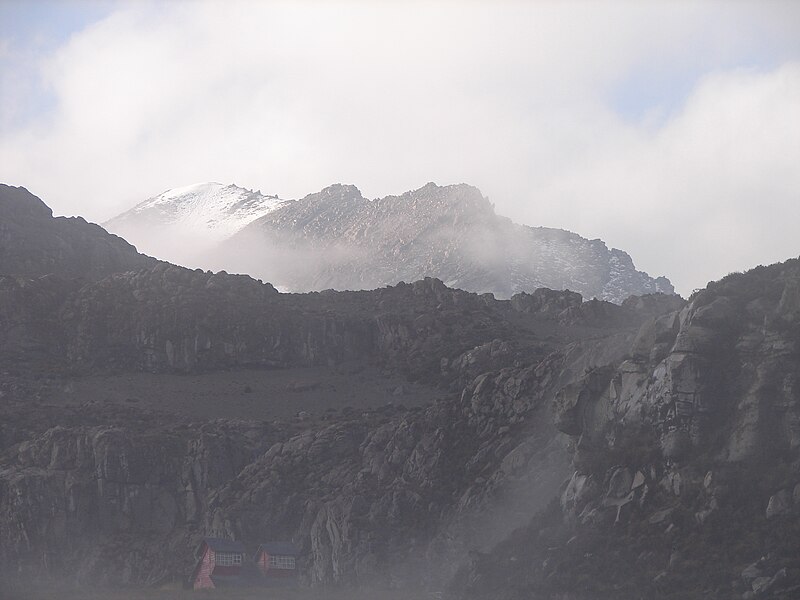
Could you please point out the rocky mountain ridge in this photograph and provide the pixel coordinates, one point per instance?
(338, 239)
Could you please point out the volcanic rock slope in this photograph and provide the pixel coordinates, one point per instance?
(674, 428)
(338, 239)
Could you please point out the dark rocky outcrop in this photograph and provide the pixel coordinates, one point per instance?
(34, 243)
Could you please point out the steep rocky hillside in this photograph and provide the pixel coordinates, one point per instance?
(686, 458)
(32, 242)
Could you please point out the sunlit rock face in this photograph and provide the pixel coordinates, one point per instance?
(727, 360)
(338, 239)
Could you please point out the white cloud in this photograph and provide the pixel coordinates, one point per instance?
(714, 190)
(517, 99)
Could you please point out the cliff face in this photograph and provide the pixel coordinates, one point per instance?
(686, 460)
(172, 319)
(111, 503)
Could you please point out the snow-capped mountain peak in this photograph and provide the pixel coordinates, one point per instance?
(213, 211)
(202, 189)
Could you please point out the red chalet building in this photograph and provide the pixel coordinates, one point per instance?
(219, 563)
(223, 563)
(277, 560)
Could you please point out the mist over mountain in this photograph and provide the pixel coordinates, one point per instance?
(412, 441)
(338, 239)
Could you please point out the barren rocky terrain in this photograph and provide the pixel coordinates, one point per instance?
(435, 441)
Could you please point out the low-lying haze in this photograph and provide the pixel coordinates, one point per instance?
(671, 130)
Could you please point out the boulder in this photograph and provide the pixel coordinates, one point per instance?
(676, 444)
(753, 570)
(779, 504)
(620, 483)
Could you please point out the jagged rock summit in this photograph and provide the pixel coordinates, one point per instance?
(338, 239)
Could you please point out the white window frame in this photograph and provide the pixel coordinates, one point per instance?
(228, 559)
(276, 561)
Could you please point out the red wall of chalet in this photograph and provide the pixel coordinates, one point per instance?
(202, 577)
(263, 562)
(208, 567)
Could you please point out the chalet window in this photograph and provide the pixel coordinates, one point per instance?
(281, 562)
(228, 559)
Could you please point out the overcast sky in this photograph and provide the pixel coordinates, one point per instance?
(669, 130)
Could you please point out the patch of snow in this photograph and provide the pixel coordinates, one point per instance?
(195, 188)
(212, 210)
